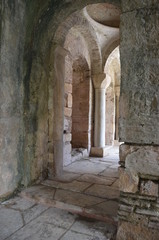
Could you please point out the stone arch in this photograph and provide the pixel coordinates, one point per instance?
(76, 48)
(112, 70)
(41, 47)
(77, 22)
(114, 43)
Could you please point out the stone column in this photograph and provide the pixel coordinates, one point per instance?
(139, 121)
(99, 125)
(99, 132)
(116, 134)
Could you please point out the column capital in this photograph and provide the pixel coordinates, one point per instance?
(98, 80)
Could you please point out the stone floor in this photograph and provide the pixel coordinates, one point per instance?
(21, 219)
(59, 209)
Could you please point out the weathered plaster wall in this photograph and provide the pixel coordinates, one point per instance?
(11, 94)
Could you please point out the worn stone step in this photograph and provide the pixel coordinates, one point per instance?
(75, 202)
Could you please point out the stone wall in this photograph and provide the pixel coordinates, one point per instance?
(139, 118)
(12, 30)
(31, 125)
(68, 111)
(80, 108)
(110, 115)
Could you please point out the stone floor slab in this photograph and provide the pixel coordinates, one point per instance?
(36, 230)
(90, 178)
(33, 212)
(40, 192)
(76, 186)
(19, 203)
(115, 184)
(57, 217)
(110, 172)
(103, 191)
(51, 183)
(10, 221)
(106, 208)
(77, 199)
(70, 235)
(85, 167)
(94, 228)
(67, 176)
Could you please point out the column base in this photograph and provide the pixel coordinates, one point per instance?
(98, 151)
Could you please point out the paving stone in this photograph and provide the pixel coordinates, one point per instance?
(109, 172)
(33, 212)
(10, 221)
(18, 203)
(103, 191)
(67, 176)
(85, 167)
(114, 166)
(36, 230)
(51, 183)
(57, 217)
(93, 228)
(101, 160)
(39, 192)
(74, 186)
(106, 208)
(115, 184)
(74, 198)
(96, 179)
(70, 235)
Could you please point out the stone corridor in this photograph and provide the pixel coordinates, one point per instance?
(75, 78)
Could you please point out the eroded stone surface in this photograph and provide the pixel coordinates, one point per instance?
(149, 188)
(128, 182)
(139, 118)
(128, 231)
(143, 160)
(128, 6)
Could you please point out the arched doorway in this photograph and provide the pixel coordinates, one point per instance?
(77, 110)
(80, 107)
